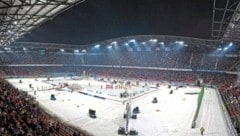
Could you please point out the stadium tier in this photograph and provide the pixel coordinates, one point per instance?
(180, 59)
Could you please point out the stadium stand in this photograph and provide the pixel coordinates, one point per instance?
(181, 60)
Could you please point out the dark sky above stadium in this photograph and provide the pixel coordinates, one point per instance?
(97, 20)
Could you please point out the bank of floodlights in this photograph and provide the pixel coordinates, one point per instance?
(153, 40)
(228, 46)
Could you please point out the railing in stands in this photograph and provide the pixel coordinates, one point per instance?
(229, 123)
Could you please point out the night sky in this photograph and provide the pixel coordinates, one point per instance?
(97, 20)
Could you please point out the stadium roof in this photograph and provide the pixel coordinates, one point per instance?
(98, 20)
(18, 17)
(167, 39)
(226, 20)
(159, 19)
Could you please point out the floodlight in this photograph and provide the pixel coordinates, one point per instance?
(162, 43)
(76, 51)
(97, 46)
(114, 42)
(132, 40)
(153, 40)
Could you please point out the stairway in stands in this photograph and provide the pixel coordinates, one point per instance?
(64, 132)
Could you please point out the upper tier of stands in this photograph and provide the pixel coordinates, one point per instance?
(186, 60)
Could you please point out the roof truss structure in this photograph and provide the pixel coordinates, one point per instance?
(192, 42)
(18, 17)
(225, 20)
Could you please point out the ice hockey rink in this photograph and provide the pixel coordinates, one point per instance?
(171, 116)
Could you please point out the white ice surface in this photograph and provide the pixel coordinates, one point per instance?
(174, 117)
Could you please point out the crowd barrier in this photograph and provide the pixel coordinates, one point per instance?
(96, 96)
(228, 121)
(119, 66)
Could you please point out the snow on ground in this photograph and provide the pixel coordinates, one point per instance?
(171, 116)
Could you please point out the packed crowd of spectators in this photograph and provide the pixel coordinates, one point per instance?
(164, 59)
(20, 115)
(231, 98)
(222, 80)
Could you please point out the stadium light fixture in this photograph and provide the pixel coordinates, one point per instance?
(219, 49)
(76, 51)
(62, 50)
(84, 51)
(24, 49)
(161, 43)
(132, 40)
(7, 48)
(230, 44)
(153, 40)
(97, 46)
(114, 43)
(109, 47)
(225, 48)
(15, 22)
(181, 42)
